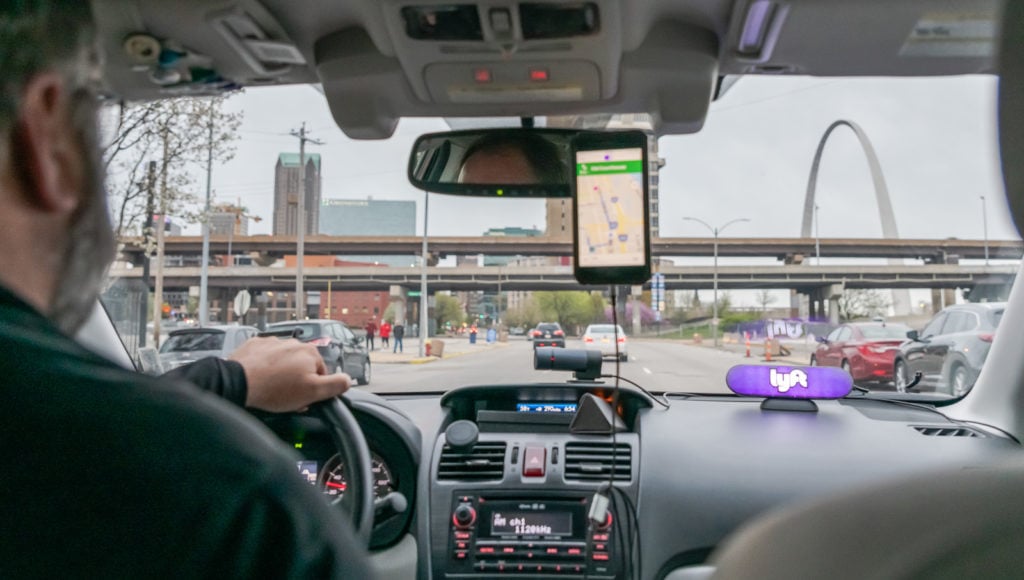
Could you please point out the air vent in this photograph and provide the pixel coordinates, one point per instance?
(596, 461)
(933, 431)
(485, 461)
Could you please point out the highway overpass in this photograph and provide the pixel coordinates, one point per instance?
(800, 277)
(785, 249)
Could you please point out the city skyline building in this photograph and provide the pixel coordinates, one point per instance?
(286, 194)
(370, 217)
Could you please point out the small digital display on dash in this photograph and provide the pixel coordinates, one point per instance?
(529, 523)
(546, 408)
(308, 470)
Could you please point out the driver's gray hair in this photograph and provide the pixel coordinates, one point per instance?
(38, 36)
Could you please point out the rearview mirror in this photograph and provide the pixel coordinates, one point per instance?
(912, 335)
(822, 340)
(494, 163)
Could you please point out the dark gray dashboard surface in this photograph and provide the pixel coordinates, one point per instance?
(709, 464)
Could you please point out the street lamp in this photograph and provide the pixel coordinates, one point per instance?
(984, 224)
(715, 231)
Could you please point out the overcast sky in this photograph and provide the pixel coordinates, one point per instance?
(936, 139)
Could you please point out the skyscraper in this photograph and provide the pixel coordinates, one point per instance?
(559, 210)
(286, 194)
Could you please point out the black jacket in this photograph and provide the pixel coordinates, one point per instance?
(107, 473)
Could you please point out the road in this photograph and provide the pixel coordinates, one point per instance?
(656, 365)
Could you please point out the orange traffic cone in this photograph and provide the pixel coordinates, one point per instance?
(746, 339)
(767, 350)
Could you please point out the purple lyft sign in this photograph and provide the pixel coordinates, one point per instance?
(789, 382)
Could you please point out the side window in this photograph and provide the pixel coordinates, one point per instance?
(934, 326)
(960, 321)
(844, 334)
(336, 332)
(834, 335)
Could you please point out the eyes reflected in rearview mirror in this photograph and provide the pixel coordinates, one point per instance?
(494, 163)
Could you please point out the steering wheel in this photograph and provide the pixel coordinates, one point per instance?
(357, 501)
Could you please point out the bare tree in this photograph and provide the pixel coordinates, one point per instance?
(175, 133)
(863, 303)
(765, 298)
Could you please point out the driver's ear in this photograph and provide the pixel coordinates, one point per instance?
(44, 149)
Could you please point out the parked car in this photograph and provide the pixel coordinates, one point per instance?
(548, 334)
(341, 349)
(604, 337)
(866, 350)
(951, 350)
(186, 345)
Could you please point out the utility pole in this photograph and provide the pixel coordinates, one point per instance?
(204, 273)
(300, 219)
(147, 229)
(158, 286)
(424, 318)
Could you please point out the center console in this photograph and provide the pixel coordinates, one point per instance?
(498, 532)
(511, 491)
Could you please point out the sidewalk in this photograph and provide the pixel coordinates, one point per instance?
(453, 347)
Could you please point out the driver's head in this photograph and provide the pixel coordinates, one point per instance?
(55, 233)
(512, 158)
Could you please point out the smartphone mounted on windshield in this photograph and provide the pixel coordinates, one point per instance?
(611, 215)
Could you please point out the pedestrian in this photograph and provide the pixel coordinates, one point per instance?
(472, 334)
(398, 331)
(385, 333)
(371, 330)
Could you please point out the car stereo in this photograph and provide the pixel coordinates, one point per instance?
(522, 535)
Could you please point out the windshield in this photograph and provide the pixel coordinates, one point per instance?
(790, 269)
(894, 331)
(193, 341)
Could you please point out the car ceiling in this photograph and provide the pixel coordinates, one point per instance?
(662, 57)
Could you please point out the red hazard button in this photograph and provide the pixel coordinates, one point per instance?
(533, 461)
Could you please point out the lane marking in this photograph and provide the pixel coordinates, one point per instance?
(647, 370)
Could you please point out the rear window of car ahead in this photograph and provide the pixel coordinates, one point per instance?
(194, 342)
(308, 330)
(548, 327)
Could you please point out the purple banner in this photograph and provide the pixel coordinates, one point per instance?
(789, 382)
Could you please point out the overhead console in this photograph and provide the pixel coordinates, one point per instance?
(500, 58)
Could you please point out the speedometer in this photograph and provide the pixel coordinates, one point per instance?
(333, 479)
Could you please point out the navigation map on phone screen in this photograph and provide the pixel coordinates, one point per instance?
(610, 198)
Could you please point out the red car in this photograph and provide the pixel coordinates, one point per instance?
(866, 350)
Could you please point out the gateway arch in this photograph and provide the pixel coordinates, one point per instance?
(900, 298)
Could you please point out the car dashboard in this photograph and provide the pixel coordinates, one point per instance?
(517, 502)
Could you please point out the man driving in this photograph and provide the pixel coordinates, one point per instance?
(105, 472)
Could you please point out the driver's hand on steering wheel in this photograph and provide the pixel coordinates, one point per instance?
(286, 375)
